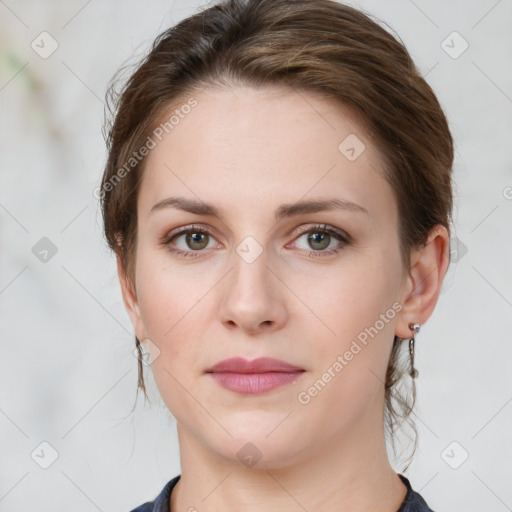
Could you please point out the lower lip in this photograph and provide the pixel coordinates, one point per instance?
(254, 383)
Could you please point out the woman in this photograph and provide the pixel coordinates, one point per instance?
(278, 197)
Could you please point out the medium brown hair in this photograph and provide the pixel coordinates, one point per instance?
(308, 45)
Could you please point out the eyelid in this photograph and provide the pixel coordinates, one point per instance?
(327, 228)
(168, 236)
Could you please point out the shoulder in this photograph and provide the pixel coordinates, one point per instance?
(413, 501)
(161, 502)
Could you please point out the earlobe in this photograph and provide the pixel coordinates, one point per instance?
(428, 268)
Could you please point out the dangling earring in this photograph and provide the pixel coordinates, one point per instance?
(416, 328)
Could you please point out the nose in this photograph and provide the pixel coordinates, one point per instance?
(253, 296)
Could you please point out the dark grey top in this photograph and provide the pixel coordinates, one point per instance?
(413, 502)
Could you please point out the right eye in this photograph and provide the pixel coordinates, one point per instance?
(195, 238)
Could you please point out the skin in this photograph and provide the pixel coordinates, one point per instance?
(247, 151)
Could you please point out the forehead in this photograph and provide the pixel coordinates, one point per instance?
(276, 143)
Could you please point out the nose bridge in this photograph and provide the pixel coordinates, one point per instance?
(251, 262)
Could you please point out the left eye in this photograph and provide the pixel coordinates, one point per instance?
(319, 239)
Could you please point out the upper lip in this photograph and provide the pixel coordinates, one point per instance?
(260, 365)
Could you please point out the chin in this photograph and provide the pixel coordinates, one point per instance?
(258, 450)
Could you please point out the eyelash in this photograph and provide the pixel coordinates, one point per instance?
(319, 228)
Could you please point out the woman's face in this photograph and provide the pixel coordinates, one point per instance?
(264, 281)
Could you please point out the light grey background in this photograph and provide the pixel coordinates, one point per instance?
(67, 372)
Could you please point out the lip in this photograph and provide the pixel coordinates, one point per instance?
(260, 365)
(254, 377)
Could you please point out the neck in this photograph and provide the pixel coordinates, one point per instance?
(348, 472)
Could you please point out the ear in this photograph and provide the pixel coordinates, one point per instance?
(423, 285)
(130, 300)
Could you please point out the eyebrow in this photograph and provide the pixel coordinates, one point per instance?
(284, 210)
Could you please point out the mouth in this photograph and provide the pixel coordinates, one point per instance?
(254, 377)
(255, 383)
(260, 365)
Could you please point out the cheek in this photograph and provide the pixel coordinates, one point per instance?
(347, 298)
(169, 306)
(351, 345)
(355, 306)
(166, 293)
(175, 309)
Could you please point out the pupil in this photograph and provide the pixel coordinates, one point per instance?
(196, 238)
(323, 237)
